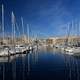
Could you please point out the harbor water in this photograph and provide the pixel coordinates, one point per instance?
(44, 63)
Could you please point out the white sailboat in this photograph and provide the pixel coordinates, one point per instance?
(72, 50)
(12, 49)
(20, 48)
(3, 51)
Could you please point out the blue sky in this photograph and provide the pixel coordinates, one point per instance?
(46, 17)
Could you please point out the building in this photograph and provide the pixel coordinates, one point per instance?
(62, 40)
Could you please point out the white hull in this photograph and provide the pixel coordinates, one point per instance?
(14, 50)
(4, 52)
(73, 50)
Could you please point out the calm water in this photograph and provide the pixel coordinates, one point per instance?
(41, 64)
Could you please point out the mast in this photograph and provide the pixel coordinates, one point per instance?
(18, 31)
(13, 39)
(77, 33)
(3, 38)
(67, 37)
(13, 27)
(28, 32)
(78, 29)
(72, 41)
(22, 26)
(3, 21)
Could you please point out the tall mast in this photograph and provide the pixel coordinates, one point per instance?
(3, 21)
(13, 27)
(72, 27)
(22, 26)
(68, 33)
(77, 29)
(17, 26)
(28, 32)
(77, 26)
(3, 37)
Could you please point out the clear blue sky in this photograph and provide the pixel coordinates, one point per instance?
(46, 17)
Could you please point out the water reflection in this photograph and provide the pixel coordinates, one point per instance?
(14, 69)
(28, 71)
(71, 68)
(35, 56)
(43, 63)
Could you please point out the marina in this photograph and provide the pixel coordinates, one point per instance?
(39, 40)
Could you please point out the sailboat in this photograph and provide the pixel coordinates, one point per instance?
(23, 48)
(3, 51)
(12, 48)
(73, 49)
(18, 48)
(15, 49)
